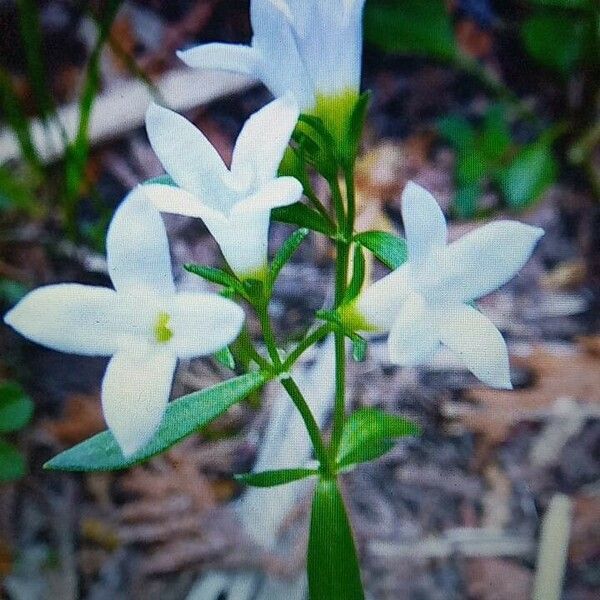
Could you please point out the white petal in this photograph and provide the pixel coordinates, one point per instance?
(135, 392)
(380, 302)
(167, 198)
(245, 241)
(424, 222)
(478, 343)
(488, 257)
(137, 248)
(78, 319)
(278, 192)
(414, 336)
(185, 153)
(264, 138)
(223, 57)
(282, 69)
(203, 324)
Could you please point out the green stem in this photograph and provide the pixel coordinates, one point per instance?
(317, 335)
(262, 311)
(350, 200)
(339, 410)
(311, 425)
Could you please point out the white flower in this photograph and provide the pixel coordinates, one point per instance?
(234, 204)
(427, 300)
(310, 48)
(143, 323)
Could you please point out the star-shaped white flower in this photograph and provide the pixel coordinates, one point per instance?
(310, 48)
(143, 323)
(234, 204)
(427, 301)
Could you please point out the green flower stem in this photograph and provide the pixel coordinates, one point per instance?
(311, 425)
(317, 335)
(350, 200)
(247, 349)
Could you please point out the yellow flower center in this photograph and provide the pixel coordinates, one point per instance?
(162, 332)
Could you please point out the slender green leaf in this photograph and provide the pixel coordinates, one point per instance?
(217, 276)
(357, 124)
(416, 27)
(183, 417)
(332, 564)
(16, 407)
(225, 357)
(286, 252)
(559, 41)
(359, 347)
(466, 199)
(369, 433)
(495, 139)
(358, 275)
(17, 119)
(530, 173)
(303, 216)
(12, 463)
(390, 249)
(161, 180)
(471, 166)
(31, 34)
(458, 131)
(273, 478)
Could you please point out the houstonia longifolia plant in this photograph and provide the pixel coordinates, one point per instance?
(308, 54)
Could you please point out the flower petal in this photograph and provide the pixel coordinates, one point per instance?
(223, 57)
(78, 319)
(277, 192)
(263, 140)
(187, 156)
(488, 257)
(478, 343)
(414, 336)
(169, 199)
(424, 222)
(137, 248)
(203, 323)
(380, 302)
(135, 392)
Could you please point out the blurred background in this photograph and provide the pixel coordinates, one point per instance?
(493, 106)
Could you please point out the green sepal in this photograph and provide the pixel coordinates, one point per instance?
(183, 417)
(16, 407)
(369, 433)
(359, 347)
(276, 477)
(161, 180)
(284, 254)
(390, 249)
(225, 357)
(303, 216)
(358, 275)
(12, 463)
(217, 276)
(332, 563)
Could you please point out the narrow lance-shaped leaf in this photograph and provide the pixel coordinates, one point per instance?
(358, 275)
(359, 347)
(357, 123)
(303, 216)
(183, 417)
(332, 564)
(225, 357)
(369, 433)
(16, 407)
(217, 276)
(390, 249)
(276, 477)
(284, 253)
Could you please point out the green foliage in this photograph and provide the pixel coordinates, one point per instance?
(183, 417)
(358, 275)
(12, 463)
(303, 216)
(225, 357)
(218, 276)
(390, 249)
(273, 478)
(284, 254)
(488, 153)
(16, 409)
(369, 433)
(414, 27)
(359, 347)
(332, 564)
